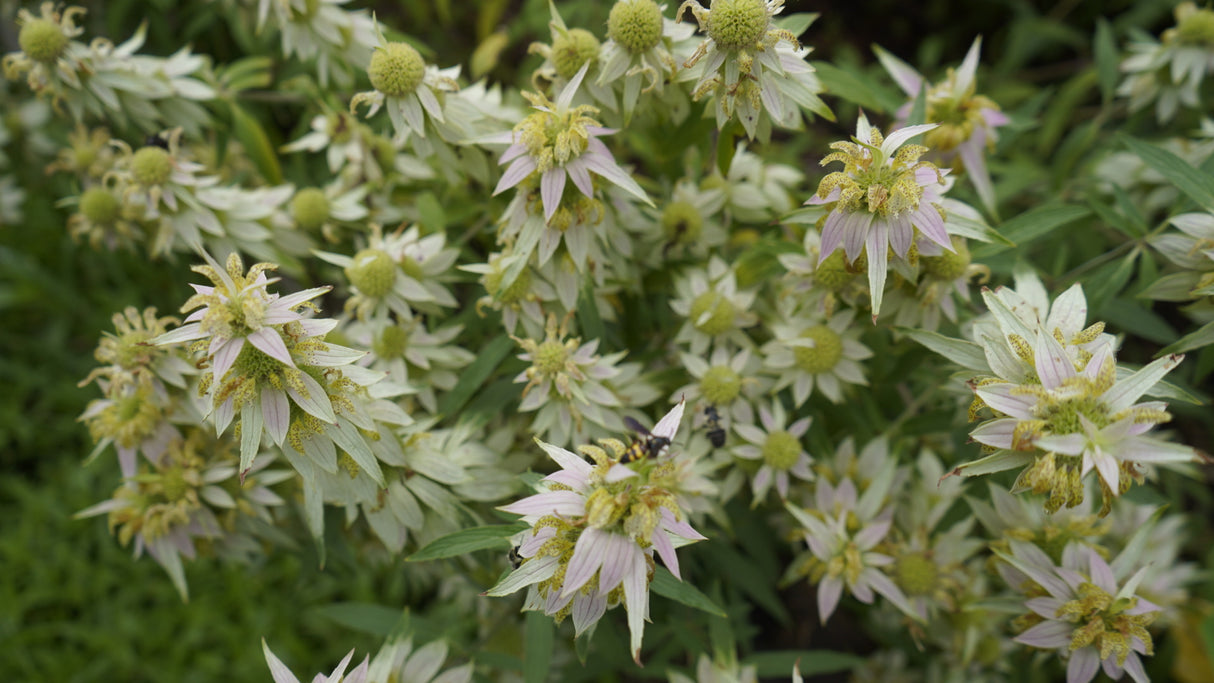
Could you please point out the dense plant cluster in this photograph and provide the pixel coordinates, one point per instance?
(676, 334)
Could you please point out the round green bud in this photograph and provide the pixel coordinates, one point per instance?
(174, 484)
(391, 343)
(510, 295)
(42, 40)
(396, 69)
(721, 313)
(373, 272)
(635, 25)
(951, 264)
(781, 450)
(738, 24)
(573, 49)
(720, 385)
(100, 206)
(151, 166)
(681, 222)
(915, 573)
(1196, 27)
(832, 273)
(550, 357)
(823, 355)
(310, 208)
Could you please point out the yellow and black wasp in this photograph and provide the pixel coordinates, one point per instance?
(645, 444)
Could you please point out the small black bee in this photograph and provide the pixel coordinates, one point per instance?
(516, 560)
(155, 140)
(716, 434)
(644, 445)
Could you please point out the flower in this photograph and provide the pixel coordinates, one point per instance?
(642, 51)
(811, 350)
(778, 447)
(1169, 73)
(1079, 418)
(595, 529)
(880, 198)
(567, 383)
(321, 30)
(556, 143)
(1084, 615)
(753, 68)
(725, 382)
(397, 660)
(715, 311)
(408, 89)
(525, 293)
(842, 555)
(316, 209)
(967, 121)
(1192, 249)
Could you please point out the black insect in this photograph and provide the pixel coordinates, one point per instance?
(516, 560)
(156, 140)
(716, 434)
(644, 445)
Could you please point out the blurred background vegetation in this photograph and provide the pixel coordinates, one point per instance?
(75, 607)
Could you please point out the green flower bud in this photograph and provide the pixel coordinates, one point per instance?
(720, 385)
(391, 343)
(737, 24)
(833, 273)
(951, 264)
(310, 208)
(635, 25)
(151, 166)
(512, 294)
(372, 272)
(781, 450)
(550, 358)
(572, 50)
(915, 573)
(824, 354)
(681, 223)
(396, 69)
(100, 206)
(42, 40)
(721, 309)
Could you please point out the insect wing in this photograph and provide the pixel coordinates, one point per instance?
(635, 426)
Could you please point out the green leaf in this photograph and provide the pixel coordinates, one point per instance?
(588, 313)
(1204, 336)
(1104, 49)
(726, 148)
(1196, 184)
(854, 88)
(1108, 280)
(475, 374)
(465, 541)
(256, 144)
(431, 212)
(1207, 636)
(797, 23)
(779, 663)
(366, 617)
(1123, 314)
(967, 354)
(1032, 225)
(1126, 225)
(537, 647)
(667, 586)
(918, 112)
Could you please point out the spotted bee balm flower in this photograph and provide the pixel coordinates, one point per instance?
(879, 201)
(595, 529)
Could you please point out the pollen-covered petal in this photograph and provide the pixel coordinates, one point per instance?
(560, 503)
(1083, 664)
(268, 341)
(997, 433)
(538, 569)
(515, 174)
(552, 186)
(1123, 394)
(1047, 634)
(223, 357)
(588, 555)
(636, 602)
(830, 589)
(276, 413)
